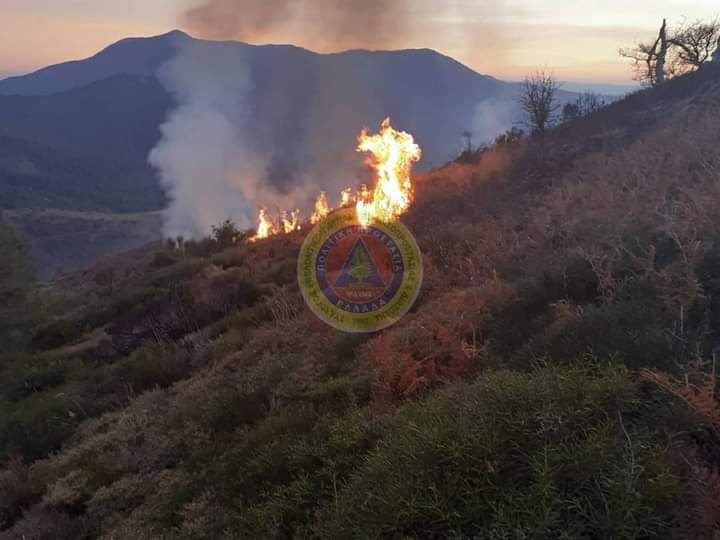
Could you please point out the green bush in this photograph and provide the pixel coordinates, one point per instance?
(554, 454)
(56, 333)
(162, 258)
(38, 425)
(628, 331)
(153, 364)
(28, 375)
(292, 465)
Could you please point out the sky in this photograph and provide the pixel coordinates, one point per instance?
(577, 39)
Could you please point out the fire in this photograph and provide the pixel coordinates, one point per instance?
(290, 222)
(322, 209)
(267, 227)
(346, 198)
(392, 154)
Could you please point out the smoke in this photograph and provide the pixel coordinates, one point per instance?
(494, 116)
(215, 160)
(205, 159)
(324, 24)
(249, 132)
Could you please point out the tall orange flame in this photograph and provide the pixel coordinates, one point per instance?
(346, 198)
(392, 154)
(265, 225)
(322, 209)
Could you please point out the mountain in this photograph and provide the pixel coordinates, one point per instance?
(107, 102)
(117, 117)
(132, 56)
(302, 114)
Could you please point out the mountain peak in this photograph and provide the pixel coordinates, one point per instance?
(176, 33)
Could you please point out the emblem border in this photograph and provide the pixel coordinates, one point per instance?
(345, 321)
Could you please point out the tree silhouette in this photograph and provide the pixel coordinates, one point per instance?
(360, 267)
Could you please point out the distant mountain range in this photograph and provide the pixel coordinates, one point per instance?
(111, 105)
(77, 135)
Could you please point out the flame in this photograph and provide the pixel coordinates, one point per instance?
(290, 221)
(322, 209)
(346, 198)
(392, 154)
(265, 225)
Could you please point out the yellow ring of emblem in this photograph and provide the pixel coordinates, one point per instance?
(393, 310)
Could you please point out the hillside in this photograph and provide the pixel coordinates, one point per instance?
(555, 379)
(116, 118)
(65, 240)
(96, 120)
(33, 175)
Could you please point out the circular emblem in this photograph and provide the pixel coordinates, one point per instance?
(359, 279)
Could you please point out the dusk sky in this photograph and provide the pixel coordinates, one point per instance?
(578, 39)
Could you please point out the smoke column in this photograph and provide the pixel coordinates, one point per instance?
(201, 148)
(206, 163)
(494, 116)
(326, 24)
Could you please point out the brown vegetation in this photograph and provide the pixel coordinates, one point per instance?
(559, 274)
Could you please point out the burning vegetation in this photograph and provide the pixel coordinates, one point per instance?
(569, 314)
(391, 155)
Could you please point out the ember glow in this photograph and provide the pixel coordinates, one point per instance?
(391, 154)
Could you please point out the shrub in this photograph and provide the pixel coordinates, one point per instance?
(161, 259)
(553, 454)
(154, 364)
(627, 330)
(28, 375)
(56, 334)
(290, 476)
(39, 424)
(17, 491)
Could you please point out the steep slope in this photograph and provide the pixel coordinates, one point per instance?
(555, 379)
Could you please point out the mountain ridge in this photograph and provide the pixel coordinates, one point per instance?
(21, 84)
(303, 114)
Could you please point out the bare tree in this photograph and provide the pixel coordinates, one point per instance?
(649, 59)
(695, 44)
(674, 52)
(468, 136)
(538, 101)
(588, 103)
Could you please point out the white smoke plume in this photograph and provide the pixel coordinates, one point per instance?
(494, 116)
(204, 159)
